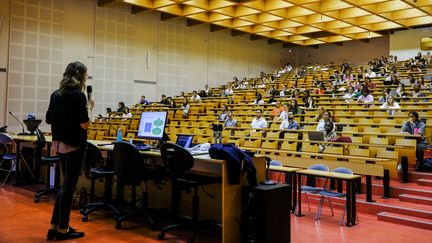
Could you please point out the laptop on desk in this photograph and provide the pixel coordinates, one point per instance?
(185, 141)
(316, 136)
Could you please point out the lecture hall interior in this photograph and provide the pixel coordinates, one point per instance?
(221, 120)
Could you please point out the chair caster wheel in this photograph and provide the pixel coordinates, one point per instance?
(161, 236)
(84, 218)
(36, 200)
(118, 226)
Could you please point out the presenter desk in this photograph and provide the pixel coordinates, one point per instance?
(231, 194)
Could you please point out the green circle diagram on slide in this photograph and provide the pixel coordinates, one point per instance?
(156, 131)
(158, 122)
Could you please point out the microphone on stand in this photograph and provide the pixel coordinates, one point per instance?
(89, 91)
(22, 125)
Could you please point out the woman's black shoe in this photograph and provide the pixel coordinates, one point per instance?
(51, 234)
(71, 234)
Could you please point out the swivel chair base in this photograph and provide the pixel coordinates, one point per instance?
(202, 224)
(89, 208)
(45, 192)
(141, 211)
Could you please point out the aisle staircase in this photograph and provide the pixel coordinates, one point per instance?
(415, 202)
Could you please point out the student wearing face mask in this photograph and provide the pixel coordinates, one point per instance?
(289, 122)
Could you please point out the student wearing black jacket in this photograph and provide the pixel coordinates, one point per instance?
(67, 114)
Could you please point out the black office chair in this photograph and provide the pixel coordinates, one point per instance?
(179, 162)
(130, 170)
(95, 170)
(49, 161)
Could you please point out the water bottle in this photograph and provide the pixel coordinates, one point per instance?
(119, 135)
(130, 140)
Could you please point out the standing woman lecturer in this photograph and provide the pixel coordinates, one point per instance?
(68, 116)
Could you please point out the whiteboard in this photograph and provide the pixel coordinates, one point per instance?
(146, 88)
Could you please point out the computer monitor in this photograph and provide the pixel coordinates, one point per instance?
(184, 140)
(152, 125)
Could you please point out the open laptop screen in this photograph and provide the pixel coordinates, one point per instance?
(184, 140)
(316, 136)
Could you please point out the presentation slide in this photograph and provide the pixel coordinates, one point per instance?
(152, 125)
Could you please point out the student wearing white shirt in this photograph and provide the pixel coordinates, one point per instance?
(370, 74)
(258, 122)
(127, 113)
(282, 93)
(195, 97)
(391, 105)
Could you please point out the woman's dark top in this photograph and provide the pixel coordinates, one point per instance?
(65, 114)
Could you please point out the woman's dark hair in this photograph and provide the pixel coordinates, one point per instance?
(414, 113)
(329, 124)
(74, 77)
(258, 97)
(122, 104)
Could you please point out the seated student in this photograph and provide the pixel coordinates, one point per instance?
(384, 95)
(272, 100)
(399, 92)
(164, 100)
(127, 113)
(284, 112)
(422, 83)
(228, 91)
(349, 94)
(230, 121)
(289, 122)
(320, 89)
(185, 107)
(319, 115)
(416, 126)
(223, 114)
(283, 92)
(391, 105)
(365, 98)
(195, 97)
(143, 101)
(207, 91)
(258, 100)
(273, 91)
(417, 91)
(309, 103)
(293, 106)
(347, 75)
(278, 109)
(368, 83)
(329, 135)
(295, 94)
(326, 117)
(370, 73)
(121, 107)
(172, 103)
(259, 121)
